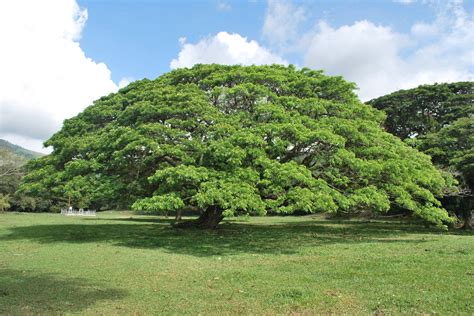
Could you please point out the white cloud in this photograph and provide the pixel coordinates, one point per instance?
(363, 52)
(282, 21)
(125, 81)
(224, 48)
(421, 29)
(405, 1)
(381, 60)
(45, 75)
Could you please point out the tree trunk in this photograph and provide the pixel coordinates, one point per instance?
(467, 214)
(209, 219)
(178, 215)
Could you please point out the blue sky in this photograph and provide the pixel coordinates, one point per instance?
(138, 39)
(58, 56)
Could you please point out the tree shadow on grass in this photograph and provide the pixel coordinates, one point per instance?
(26, 293)
(231, 237)
(132, 219)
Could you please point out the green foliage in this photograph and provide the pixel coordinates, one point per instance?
(452, 148)
(11, 171)
(12, 168)
(237, 140)
(159, 203)
(426, 109)
(439, 119)
(4, 202)
(453, 145)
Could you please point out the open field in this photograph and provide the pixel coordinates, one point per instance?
(119, 263)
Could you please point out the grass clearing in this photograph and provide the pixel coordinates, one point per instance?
(120, 263)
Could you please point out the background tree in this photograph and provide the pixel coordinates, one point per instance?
(425, 109)
(452, 147)
(12, 168)
(4, 202)
(11, 171)
(228, 140)
(439, 120)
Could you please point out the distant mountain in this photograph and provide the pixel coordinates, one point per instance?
(18, 151)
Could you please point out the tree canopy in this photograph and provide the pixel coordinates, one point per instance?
(438, 120)
(425, 109)
(452, 148)
(230, 140)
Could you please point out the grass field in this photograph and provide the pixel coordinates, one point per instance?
(119, 263)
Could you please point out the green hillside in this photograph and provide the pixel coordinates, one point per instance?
(12, 169)
(19, 151)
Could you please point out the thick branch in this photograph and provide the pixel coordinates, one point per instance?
(170, 160)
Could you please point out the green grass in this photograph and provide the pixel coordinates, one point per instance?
(118, 264)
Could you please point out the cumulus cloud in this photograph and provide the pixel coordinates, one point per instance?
(224, 48)
(125, 81)
(421, 29)
(45, 76)
(282, 22)
(363, 52)
(381, 60)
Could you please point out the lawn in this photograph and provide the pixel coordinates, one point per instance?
(121, 263)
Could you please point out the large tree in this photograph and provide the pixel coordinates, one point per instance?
(439, 120)
(228, 140)
(425, 109)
